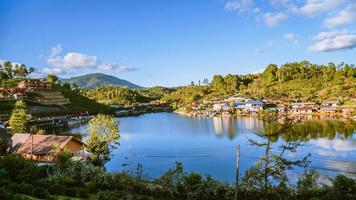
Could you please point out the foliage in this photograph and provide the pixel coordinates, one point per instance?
(19, 118)
(115, 95)
(300, 80)
(80, 103)
(8, 71)
(103, 137)
(23, 179)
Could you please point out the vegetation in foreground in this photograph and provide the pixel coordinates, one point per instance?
(83, 180)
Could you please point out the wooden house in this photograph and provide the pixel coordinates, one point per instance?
(43, 148)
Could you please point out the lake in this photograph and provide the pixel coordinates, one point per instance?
(208, 145)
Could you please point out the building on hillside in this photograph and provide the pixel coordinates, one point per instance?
(240, 105)
(330, 103)
(329, 107)
(34, 85)
(43, 148)
(254, 106)
(220, 106)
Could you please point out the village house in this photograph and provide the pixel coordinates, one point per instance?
(240, 105)
(43, 148)
(330, 103)
(220, 106)
(31, 85)
(254, 106)
(329, 107)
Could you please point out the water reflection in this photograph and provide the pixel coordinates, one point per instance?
(173, 138)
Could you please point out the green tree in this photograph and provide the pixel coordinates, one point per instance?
(218, 83)
(231, 83)
(269, 75)
(19, 118)
(103, 137)
(8, 69)
(52, 78)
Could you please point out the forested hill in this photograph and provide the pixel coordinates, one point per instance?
(95, 80)
(299, 80)
(306, 81)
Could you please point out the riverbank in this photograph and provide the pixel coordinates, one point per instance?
(322, 116)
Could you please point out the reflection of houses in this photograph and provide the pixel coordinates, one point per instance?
(301, 111)
(44, 147)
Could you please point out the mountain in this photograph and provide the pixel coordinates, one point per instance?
(94, 80)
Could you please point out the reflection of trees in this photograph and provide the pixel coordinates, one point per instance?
(320, 129)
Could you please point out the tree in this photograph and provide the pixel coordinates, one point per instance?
(19, 118)
(218, 83)
(52, 78)
(206, 81)
(103, 138)
(271, 169)
(270, 73)
(232, 83)
(8, 69)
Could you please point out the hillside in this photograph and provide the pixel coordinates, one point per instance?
(95, 80)
(302, 81)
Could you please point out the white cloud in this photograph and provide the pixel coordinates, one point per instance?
(274, 19)
(330, 34)
(318, 7)
(292, 37)
(75, 61)
(258, 50)
(283, 4)
(239, 5)
(333, 41)
(53, 71)
(337, 145)
(344, 17)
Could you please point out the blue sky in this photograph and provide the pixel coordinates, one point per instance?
(170, 43)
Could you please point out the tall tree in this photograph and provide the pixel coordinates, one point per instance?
(19, 118)
(271, 169)
(218, 83)
(270, 73)
(103, 138)
(8, 69)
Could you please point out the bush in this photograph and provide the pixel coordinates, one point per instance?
(108, 195)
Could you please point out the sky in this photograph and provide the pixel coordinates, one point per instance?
(171, 43)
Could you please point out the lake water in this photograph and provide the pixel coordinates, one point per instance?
(208, 145)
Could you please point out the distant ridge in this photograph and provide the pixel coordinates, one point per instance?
(95, 80)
